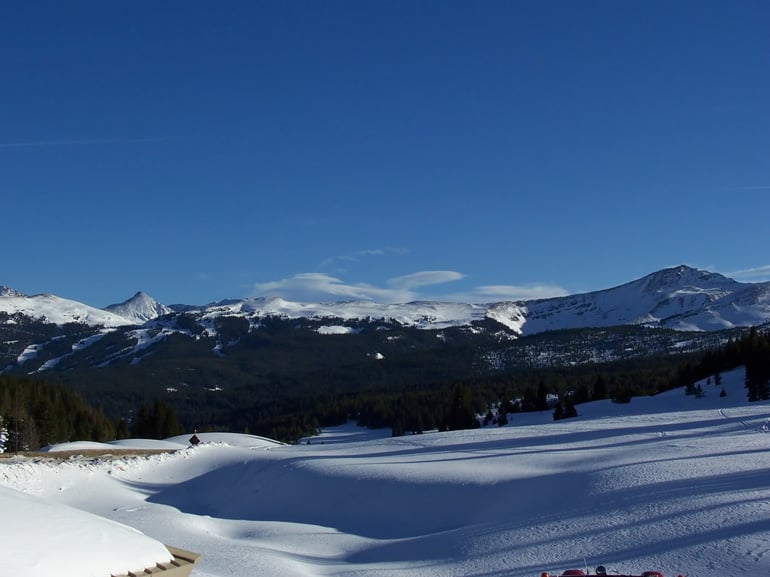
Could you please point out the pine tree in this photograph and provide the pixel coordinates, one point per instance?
(121, 429)
(569, 409)
(542, 397)
(600, 388)
(756, 350)
(158, 421)
(461, 415)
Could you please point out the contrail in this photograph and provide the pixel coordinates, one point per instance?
(82, 142)
(748, 188)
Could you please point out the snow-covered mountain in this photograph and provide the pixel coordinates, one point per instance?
(140, 308)
(49, 308)
(9, 292)
(681, 298)
(421, 314)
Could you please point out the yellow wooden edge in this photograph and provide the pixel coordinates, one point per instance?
(180, 566)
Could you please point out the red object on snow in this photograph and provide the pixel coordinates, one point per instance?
(602, 572)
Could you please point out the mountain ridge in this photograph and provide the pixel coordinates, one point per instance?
(682, 298)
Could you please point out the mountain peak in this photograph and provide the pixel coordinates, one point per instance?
(140, 296)
(140, 308)
(6, 291)
(684, 276)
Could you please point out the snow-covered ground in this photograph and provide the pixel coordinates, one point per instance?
(672, 483)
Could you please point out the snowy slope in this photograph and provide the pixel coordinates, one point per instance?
(52, 309)
(671, 482)
(681, 298)
(424, 314)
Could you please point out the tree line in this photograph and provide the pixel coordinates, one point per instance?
(34, 414)
(496, 400)
(449, 405)
(751, 350)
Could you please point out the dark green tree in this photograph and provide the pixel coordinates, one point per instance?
(542, 397)
(600, 388)
(461, 414)
(158, 421)
(756, 351)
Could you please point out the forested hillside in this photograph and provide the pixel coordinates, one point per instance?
(34, 413)
(286, 384)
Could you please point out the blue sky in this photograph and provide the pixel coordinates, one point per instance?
(393, 150)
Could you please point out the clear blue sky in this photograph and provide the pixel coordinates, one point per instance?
(394, 150)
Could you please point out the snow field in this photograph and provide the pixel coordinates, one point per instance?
(671, 482)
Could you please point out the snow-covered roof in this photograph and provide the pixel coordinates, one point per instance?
(48, 539)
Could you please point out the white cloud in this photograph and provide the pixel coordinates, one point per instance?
(497, 293)
(321, 287)
(756, 274)
(425, 278)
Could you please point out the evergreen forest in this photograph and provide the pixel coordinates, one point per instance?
(34, 413)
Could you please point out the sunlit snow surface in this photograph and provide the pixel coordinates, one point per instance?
(52, 309)
(46, 539)
(672, 483)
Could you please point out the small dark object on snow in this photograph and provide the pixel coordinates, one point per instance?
(601, 571)
(194, 440)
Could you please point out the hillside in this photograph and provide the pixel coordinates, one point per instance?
(672, 483)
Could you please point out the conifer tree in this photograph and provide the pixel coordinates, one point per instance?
(461, 415)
